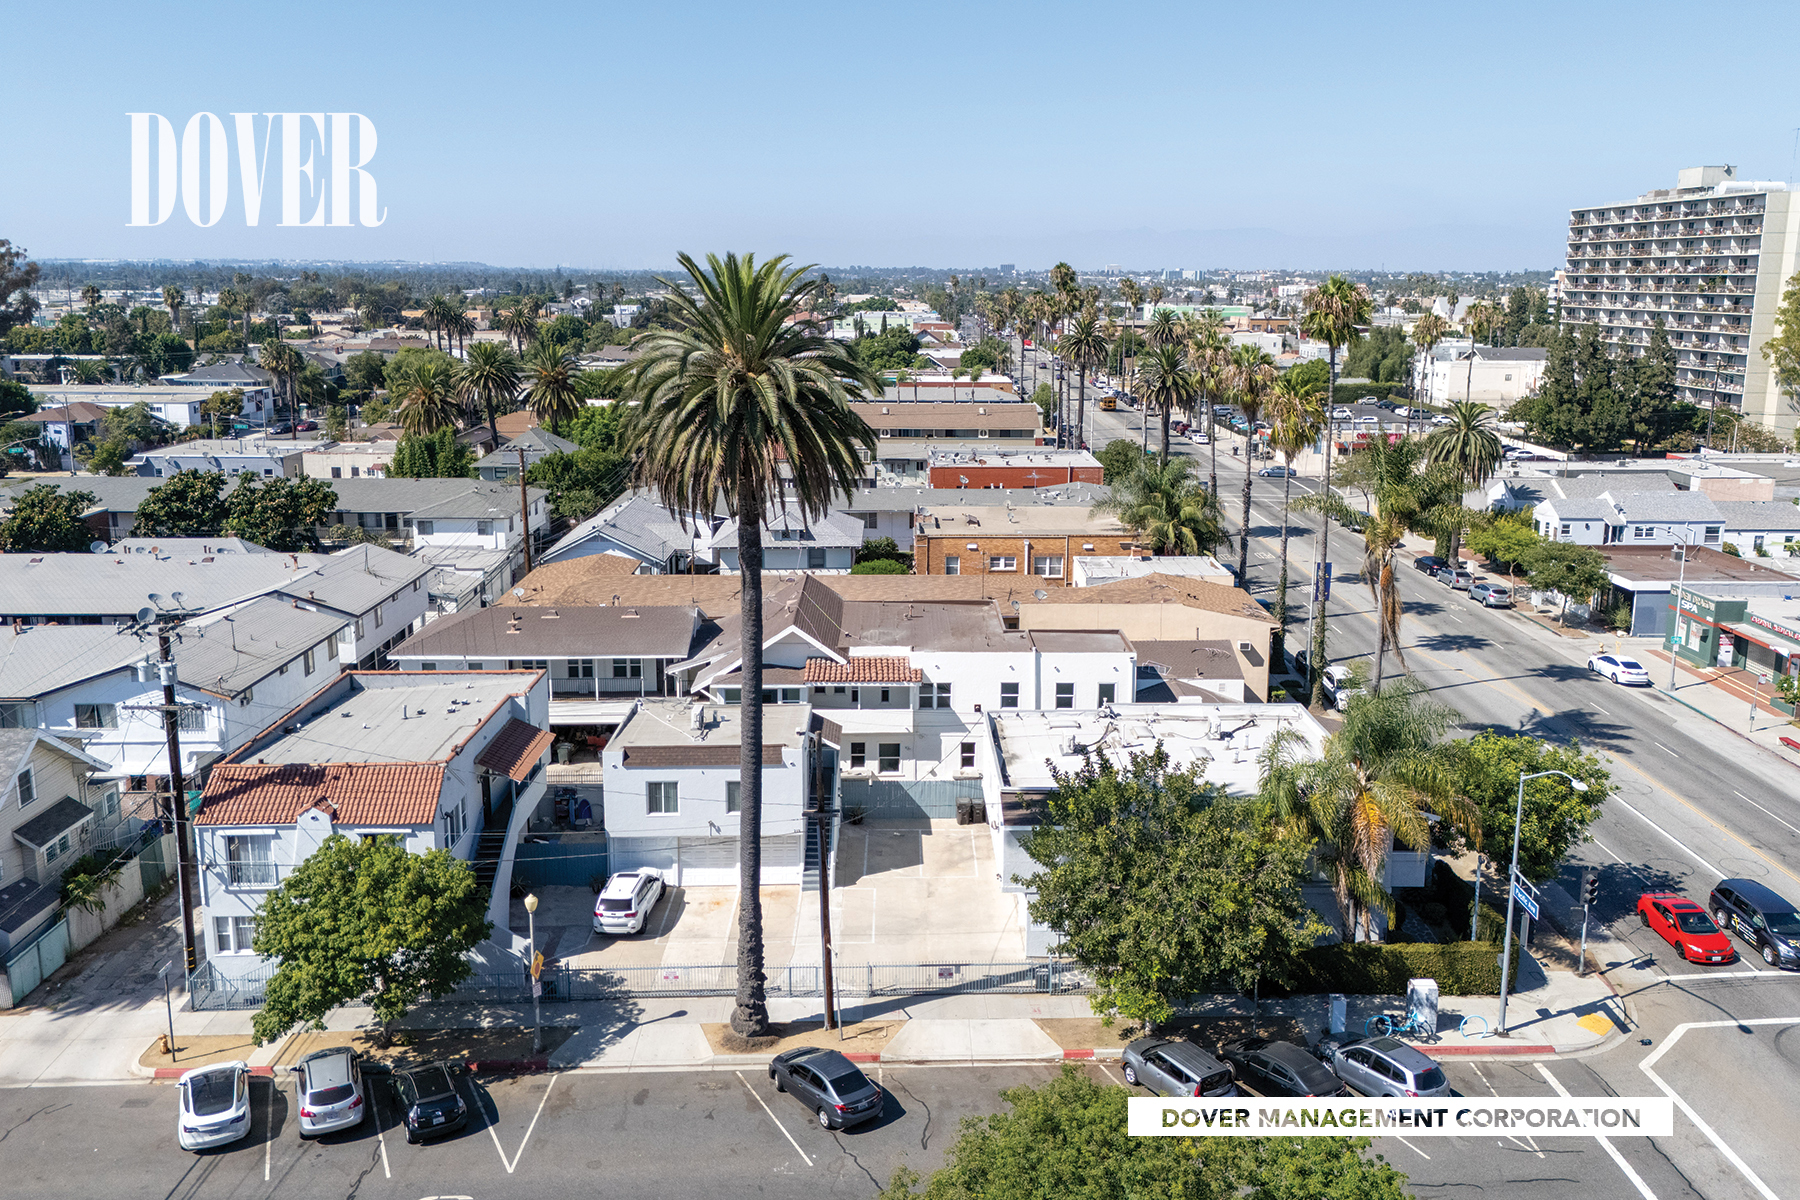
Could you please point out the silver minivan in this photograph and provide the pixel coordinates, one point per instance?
(1386, 1066)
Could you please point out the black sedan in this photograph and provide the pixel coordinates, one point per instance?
(428, 1099)
(838, 1094)
(1280, 1069)
(1430, 564)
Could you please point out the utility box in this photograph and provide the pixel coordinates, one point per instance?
(1422, 1002)
(1340, 1014)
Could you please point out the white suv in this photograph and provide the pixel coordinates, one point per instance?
(625, 903)
(1340, 686)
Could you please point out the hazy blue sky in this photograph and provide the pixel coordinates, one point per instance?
(1305, 134)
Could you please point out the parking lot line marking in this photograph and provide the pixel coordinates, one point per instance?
(773, 1117)
(1612, 1151)
(1602, 845)
(1109, 1074)
(269, 1120)
(1664, 748)
(1652, 824)
(375, 1111)
(1602, 710)
(1675, 1036)
(1420, 1152)
(1748, 800)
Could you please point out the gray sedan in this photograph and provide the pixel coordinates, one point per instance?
(832, 1086)
(1386, 1066)
(1176, 1069)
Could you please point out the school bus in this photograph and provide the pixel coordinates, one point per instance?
(1109, 404)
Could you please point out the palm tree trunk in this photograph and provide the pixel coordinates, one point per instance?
(1287, 491)
(750, 1016)
(1081, 406)
(1165, 434)
(1317, 659)
(1244, 529)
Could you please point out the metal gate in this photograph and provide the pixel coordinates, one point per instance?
(32, 964)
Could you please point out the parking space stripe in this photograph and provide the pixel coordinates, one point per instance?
(1655, 1055)
(774, 1118)
(1612, 1151)
(1421, 1153)
(1749, 801)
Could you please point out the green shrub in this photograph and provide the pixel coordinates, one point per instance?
(1731, 549)
(1456, 894)
(1384, 968)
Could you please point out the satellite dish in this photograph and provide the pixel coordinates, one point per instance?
(1041, 594)
(145, 616)
(96, 547)
(156, 599)
(519, 592)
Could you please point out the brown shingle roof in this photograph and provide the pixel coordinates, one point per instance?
(1167, 589)
(722, 755)
(515, 750)
(1005, 414)
(357, 793)
(862, 669)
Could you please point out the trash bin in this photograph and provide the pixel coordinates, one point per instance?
(977, 811)
(1340, 1013)
(1422, 1002)
(563, 750)
(965, 810)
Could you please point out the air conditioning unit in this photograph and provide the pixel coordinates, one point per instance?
(968, 772)
(859, 772)
(1244, 647)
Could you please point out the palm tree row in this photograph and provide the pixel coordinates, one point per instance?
(433, 396)
(1166, 508)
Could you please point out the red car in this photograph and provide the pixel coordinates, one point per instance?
(1685, 926)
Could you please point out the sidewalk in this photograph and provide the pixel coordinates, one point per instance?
(1723, 695)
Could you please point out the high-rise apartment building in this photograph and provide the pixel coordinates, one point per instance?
(1709, 256)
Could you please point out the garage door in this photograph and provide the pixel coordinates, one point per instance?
(781, 858)
(631, 854)
(709, 862)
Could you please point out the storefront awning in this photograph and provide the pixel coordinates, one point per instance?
(1762, 637)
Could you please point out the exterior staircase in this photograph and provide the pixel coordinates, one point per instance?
(488, 847)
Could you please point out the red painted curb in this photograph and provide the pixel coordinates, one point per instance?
(1454, 1051)
(863, 1056)
(178, 1072)
(512, 1066)
(1078, 1054)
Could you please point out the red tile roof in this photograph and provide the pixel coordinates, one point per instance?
(357, 793)
(862, 669)
(515, 750)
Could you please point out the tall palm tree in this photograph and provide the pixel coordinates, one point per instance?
(428, 400)
(1165, 381)
(172, 300)
(550, 384)
(520, 324)
(1377, 779)
(1166, 508)
(1163, 329)
(1250, 377)
(723, 405)
(1296, 413)
(90, 296)
(1332, 311)
(1083, 344)
(1209, 350)
(1427, 332)
(284, 363)
(436, 316)
(488, 375)
(1133, 295)
(462, 325)
(1468, 446)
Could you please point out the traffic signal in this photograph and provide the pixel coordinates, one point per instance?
(1590, 887)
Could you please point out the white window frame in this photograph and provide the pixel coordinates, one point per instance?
(953, 564)
(1065, 691)
(1049, 566)
(662, 798)
(733, 805)
(105, 716)
(26, 786)
(883, 758)
(1003, 562)
(1009, 700)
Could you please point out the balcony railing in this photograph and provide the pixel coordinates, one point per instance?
(247, 874)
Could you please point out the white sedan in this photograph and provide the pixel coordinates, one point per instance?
(1621, 670)
(215, 1105)
(1340, 414)
(1368, 419)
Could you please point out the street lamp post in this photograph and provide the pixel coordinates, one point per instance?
(1511, 885)
(1687, 546)
(537, 986)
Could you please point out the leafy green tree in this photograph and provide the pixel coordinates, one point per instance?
(432, 456)
(17, 274)
(1504, 538)
(365, 374)
(733, 400)
(222, 408)
(280, 513)
(1781, 351)
(337, 423)
(1487, 768)
(1467, 446)
(582, 483)
(1119, 458)
(596, 426)
(1573, 572)
(1652, 389)
(46, 519)
(489, 376)
(1160, 885)
(428, 400)
(134, 423)
(550, 384)
(888, 351)
(106, 457)
(1166, 508)
(396, 370)
(16, 399)
(1383, 356)
(1379, 776)
(990, 354)
(882, 549)
(187, 504)
(365, 922)
(1045, 398)
(1068, 1139)
(881, 566)
(1314, 372)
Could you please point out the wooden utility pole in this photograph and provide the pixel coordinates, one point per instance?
(524, 509)
(177, 791)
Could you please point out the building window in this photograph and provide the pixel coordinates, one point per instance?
(1002, 562)
(1009, 695)
(424, 528)
(868, 519)
(581, 668)
(1107, 691)
(1563, 531)
(1712, 532)
(329, 645)
(96, 716)
(191, 720)
(1065, 695)
(377, 617)
(663, 798)
(815, 558)
(786, 695)
(454, 825)
(890, 758)
(968, 754)
(953, 564)
(247, 859)
(22, 715)
(628, 668)
(234, 935)
(858, 754)
(427, 666)
(1642, 531)
(306, 661)
(531, 664)
(927, 693)
(474, 666)
(1050, 566)
(484, 528)
(731, 797)
(27, 787)
(337, 472)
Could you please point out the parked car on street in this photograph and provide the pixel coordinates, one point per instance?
(1386, 1066)
(1199, 439)
(1341, 686)
(1340, 414)
(1455, 578)
(429, 1103)
(281, 427)
(1171, 1068)
(838, 1094)
(1685, 926)
(1491, 595)
(215, 1105)
(1368, 419)
(624, 904)
(1440, 419)
(307, 426)
(1762, 918)
(1430, 564)
(329, 1087)
(1619, 669)
(1278, 472)
(1280, 1069)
